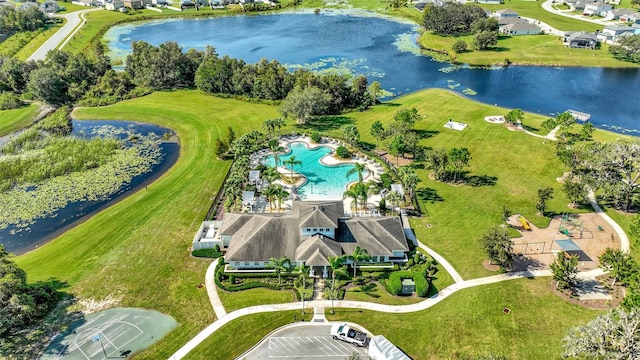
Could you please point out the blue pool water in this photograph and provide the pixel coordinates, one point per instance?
(323, 182)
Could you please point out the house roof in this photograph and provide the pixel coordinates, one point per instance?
(378, 235)
(506, 12)
(320, 214)
(520, 26)
(263, 237)
(581, 35)
(316, 249)
(617, 28)
(624, 12)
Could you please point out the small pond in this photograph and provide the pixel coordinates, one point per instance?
(20, 239)
(384, 49)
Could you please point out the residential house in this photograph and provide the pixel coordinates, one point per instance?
(133, 4)
(615, 14)
(597, 8)
(489, 2)
(505, 13)
(612, 33)
(86, 2)
(520, 28)
(579, 5)
(114, 5)
(581, 40)
(308, 235)
(28, 5)
(49, 7)
(631, 18)
(421, 4)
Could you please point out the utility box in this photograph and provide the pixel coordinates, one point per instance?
(408, 286)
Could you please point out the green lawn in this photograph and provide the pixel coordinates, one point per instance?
(238, 336)
(471, 323)
(12, 120)
(524, 50)
(259, 296)
(137, 249)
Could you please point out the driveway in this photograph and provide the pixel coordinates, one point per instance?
(303, 341)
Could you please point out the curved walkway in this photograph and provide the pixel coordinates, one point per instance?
(212, 290)
(75, 20)
(624, 239)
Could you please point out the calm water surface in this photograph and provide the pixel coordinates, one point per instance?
(386, 50)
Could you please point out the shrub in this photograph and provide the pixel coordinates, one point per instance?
(422, 285)
(232, 279)
(395, 283)
(315, 137)
(9, 100)
(207, 253)
(343, 153)
(459, 46)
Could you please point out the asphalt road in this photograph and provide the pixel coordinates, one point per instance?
(305, 341)
(73, 20)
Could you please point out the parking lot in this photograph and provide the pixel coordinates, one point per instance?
(306, 341)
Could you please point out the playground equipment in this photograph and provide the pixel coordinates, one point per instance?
(570, 223)
(524, 223)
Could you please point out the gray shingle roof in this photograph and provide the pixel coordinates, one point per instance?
(316, 249)
(378, 235)
(320, 214)
(521, 27)
(263, 237)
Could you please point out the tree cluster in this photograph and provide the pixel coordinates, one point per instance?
(401, 138)
(497, 245)
(452, 19)
(448, 165)
(628, 49)
(17, 20)
(163, 67)
(21, 304)
(625, 270)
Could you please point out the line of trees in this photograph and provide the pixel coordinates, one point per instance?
(454, 19)
(628, 49)
(14, 20)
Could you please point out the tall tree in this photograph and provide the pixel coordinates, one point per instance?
(358, 168)
(498, 246)
(377, 131)
(544, 195)
(409, 179)
(359, 255)
(459, 158)
(292, 162)
(548, 125)
(353, 193)
(407, 118)
(395, 200)
(438, 161)
(302, 104)
(620, 265)
(351, 134)
(514, 116)
(279, 265)
(274, 146)
(565, 269)
(337, 269)
(614, 335)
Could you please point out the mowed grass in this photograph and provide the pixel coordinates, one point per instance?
(259, 296)
(15, 119)
(471, 323)
(137, 250)
(508, 167)
(236, 337)
(525, 50)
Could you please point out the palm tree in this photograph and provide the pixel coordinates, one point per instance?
(279, 265)
(281, 195)
(292, 161)
(271, 174)
(394, 199)
(358, 168)
(337, 268)
(352, 193)
(359, 255)
(271, 193)
(304, 274)
(275, 148)
(278, 123)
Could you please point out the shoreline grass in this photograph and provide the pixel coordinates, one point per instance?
(16, 119)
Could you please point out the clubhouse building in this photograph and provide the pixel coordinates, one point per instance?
(308, 235)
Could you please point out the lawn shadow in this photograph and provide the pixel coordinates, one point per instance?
(425, 134)
(389, 104)
(481, 180)
(325, 123)
(530, 128)
(429, 195)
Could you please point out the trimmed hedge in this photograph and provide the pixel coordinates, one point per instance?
(206, 253)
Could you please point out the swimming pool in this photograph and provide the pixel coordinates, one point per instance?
(323, 182)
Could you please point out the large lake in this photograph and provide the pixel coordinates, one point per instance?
(384, 49)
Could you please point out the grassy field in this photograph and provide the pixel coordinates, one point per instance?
(241, 299)
(238, 336)
(12, 120)
(524, 50)
(471, 323)
(137, 250)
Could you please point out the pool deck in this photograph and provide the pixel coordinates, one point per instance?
(374, 171)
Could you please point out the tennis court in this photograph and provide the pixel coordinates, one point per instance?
(110, 334)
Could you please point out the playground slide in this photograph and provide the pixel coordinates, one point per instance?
(524, 223)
